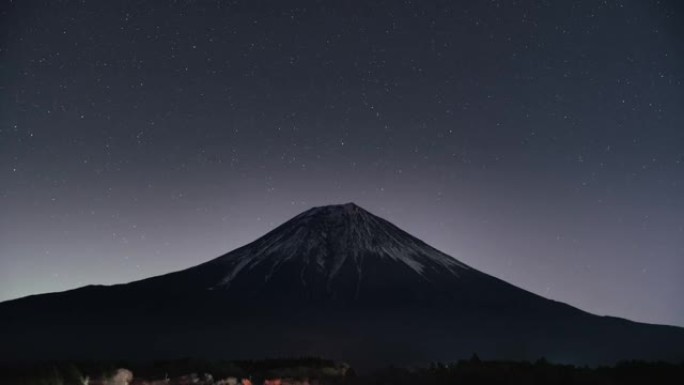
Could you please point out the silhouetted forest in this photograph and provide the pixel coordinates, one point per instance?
(474, 371)
(311, 370)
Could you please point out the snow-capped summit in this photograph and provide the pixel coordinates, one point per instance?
(324, 241)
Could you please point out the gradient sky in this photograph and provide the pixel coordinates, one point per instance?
(541, 142)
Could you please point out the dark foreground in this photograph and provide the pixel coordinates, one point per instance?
(310, 371)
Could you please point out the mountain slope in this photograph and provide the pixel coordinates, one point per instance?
(335, 281)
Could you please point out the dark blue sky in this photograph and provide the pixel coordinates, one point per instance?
(539, 141)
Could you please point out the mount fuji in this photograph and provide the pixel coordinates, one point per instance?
(334, 281)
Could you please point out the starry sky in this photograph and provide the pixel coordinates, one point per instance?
(539, 141)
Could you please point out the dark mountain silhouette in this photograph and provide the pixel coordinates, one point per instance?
(334, 281)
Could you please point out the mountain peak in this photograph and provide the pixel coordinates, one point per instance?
(333, 281)
(348, 215)
(346, 206)
(328, 239)
(349, 208)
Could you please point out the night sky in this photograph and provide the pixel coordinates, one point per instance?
(539, 141)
